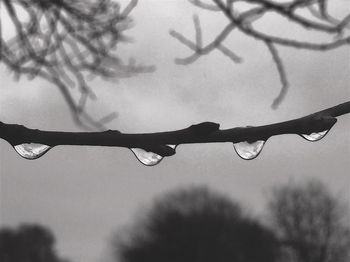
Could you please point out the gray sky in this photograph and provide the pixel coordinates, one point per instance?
(84, 194)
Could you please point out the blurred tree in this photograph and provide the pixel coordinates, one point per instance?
(28, 243)
(311, 222)
(196, 225)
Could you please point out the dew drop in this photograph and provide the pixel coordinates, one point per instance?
(313, 137)
(31, 150)
(148, 158)
(249, 151)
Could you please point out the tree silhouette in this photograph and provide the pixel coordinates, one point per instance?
(312, 223)
(29, 242)
(65, 42)
(196, 224)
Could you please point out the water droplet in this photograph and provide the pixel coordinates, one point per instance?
(31, 150)
(313, 137)
(146, 158)
(249, 151)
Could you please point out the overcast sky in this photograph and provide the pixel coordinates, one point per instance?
(85, 194)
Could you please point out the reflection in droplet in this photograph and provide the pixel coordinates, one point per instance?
(148, 158)
(313, 137)
(249, 151)
(31, 150)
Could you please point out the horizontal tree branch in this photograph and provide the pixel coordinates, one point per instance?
(159, 143)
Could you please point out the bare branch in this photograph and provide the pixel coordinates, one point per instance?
(159, 143)
(281, 72)
(204, 5)
(229, 53)
(198, 45)
(64, 41)
(323, 22)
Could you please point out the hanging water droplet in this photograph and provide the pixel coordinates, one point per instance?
(316, 136)
(146, 158)
(31, 150)
(249, 151)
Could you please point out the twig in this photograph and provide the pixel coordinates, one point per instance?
(281, 72)
(63, 41)
(243, 22)
(198, 48)
(206, 132)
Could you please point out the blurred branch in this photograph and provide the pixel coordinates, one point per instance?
(65, 42)
(198, 48)
(282, 73)
(243, 21)
(159, 143)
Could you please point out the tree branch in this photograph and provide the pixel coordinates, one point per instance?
(66, 42)
(198, 48)
(282, 73)
(159, 143)
(242, 20)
